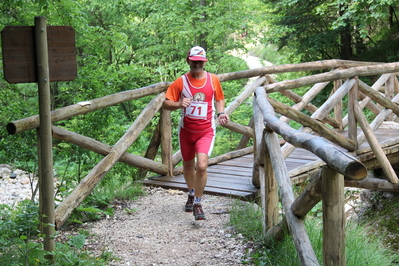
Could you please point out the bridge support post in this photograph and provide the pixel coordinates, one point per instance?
(166, 140)
(269, 191)
(333, 218)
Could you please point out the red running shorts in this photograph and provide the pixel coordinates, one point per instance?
(192, 143)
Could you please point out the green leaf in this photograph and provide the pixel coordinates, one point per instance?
(78, 241)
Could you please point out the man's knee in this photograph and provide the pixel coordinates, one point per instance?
(201, 165)
(189, 165)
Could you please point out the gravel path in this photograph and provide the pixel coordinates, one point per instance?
(156, 231)
(152, 230)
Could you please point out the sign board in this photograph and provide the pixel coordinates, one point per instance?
(19, 56)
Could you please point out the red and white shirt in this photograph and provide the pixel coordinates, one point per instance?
(199, 116)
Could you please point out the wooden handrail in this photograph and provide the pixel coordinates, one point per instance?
(343, 163)
(85, 187)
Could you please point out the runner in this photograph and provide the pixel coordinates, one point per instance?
(196, 93)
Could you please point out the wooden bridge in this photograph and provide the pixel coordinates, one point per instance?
(351, 133)
(234, 177)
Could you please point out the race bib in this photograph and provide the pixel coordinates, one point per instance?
(197, 110)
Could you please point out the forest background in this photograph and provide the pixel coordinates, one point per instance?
(128, 44)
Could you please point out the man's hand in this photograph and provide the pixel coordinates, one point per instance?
(186, 102)
(223, 119)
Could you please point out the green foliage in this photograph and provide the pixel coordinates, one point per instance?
(99, 203)
(384, 212)
(121, 45)
(17, 227)
(317, 30)
(247, 219)
(361, 247)
(73, 253)
(21, 243)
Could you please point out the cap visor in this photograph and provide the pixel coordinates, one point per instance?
(197, 58)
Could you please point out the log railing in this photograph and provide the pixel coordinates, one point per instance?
(339, 155)
(328, 183)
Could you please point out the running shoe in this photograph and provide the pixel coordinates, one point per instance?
(198, 212)
(189, 204)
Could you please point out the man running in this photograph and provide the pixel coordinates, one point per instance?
(198, 94)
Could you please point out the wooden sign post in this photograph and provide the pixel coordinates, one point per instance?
(40, 54)
(46, 178)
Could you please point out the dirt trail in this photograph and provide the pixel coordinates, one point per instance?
(158, 232)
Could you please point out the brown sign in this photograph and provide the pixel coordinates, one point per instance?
(19, 53)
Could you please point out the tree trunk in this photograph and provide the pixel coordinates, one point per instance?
(345, 35)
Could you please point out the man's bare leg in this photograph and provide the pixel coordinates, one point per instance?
(201, 175)
(189, 173)
(189, 176)
(200, 180)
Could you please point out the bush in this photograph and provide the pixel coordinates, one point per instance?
(21, 243)
(361, 247)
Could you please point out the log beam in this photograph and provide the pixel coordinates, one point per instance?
(86, 186)
(315, 125)
(244, 130)
(344, 163)
(85, 107)
(333, 75)
(375, 146)
(152, 150)
(374, 184)
(297, 228)
(103, 149)
(378, 98)
(309, 66)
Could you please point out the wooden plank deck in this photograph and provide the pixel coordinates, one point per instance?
(234, 177)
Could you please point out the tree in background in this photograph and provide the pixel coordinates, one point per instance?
(121, 45)
(326, 29)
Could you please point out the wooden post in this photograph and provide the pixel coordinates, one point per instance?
(245, 139)
(333, 218)
(152, 149)
(376, 86)
(375, 146)
(352, 100)
(296, 226)
(269, 191)
(389, 91)
(166, 140)
(396, 82)
(46, 189)
(258, 135)
(338, 107)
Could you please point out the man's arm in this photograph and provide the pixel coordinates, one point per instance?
(223, 118)
(171, 105)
